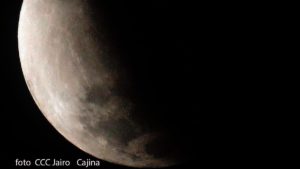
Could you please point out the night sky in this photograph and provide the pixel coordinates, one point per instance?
(204, 39)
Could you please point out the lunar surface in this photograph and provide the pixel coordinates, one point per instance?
(78, 79)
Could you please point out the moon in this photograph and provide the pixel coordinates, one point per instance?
(78, 79)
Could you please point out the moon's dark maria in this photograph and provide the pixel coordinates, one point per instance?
(84, 84)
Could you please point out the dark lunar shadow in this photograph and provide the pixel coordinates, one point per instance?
(153, 41)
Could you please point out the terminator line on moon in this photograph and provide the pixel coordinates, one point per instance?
(81, 87)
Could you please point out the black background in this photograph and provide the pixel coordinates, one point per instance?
(211, 39)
